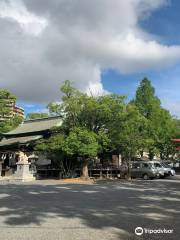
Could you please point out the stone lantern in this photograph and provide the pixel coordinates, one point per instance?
(23, 173)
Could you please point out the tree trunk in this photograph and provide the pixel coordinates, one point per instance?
(129, 167)
(151, 155)
(129, 170)
(85, 174)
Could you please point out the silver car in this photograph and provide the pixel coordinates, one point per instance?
(168, 170)
(161, 171)
(145, 170)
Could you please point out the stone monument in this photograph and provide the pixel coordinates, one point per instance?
(22, 173)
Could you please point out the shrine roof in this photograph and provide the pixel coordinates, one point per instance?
(19, 140)
(36, 125)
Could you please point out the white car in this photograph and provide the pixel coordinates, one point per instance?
(161, 171)
(168, 170)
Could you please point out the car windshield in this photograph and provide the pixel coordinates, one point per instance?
(150, 165)
(157, 165)
(165, 165)
(136, 165)
(145, 165)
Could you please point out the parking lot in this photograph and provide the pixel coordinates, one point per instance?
(106, 210)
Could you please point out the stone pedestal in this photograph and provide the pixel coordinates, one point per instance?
(22, 173)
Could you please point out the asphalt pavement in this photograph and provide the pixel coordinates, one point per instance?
(108, 210)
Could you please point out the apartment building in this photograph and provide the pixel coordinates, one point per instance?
(9, 109)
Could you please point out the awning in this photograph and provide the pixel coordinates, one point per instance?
(19, 140)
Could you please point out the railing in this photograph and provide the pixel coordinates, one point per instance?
(93, 172)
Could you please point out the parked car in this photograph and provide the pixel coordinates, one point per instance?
(161, 170)
(173, 164)
(146, 170)
(169, 171)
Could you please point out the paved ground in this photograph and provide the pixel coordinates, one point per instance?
(46, 210)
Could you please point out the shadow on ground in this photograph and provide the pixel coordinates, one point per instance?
(121, 206)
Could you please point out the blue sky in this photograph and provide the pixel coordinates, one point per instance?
(99, 45)
(164, 23)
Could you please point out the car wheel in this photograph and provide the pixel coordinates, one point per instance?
(145, 177)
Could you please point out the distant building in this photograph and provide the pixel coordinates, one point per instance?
(18, 111)
(10, 110)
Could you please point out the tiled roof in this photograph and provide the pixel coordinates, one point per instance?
(36, 125)
(11, 141)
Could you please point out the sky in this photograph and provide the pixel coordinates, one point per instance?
(102, 46)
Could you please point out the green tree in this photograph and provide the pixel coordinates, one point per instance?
(160, 127)
(69, 105)
(80, 110)
(177, 127)
(96, 114)
(90, 113)
(79, 142)
(127, 134)
(82, 143)
(165, 130)
(145, 100)
(125, 128)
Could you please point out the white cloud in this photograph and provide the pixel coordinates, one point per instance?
(174, 107)
(16, 11)
(45, 42)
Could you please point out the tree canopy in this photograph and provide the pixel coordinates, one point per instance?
(160, 127)
(8, 120)
(93, 125)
